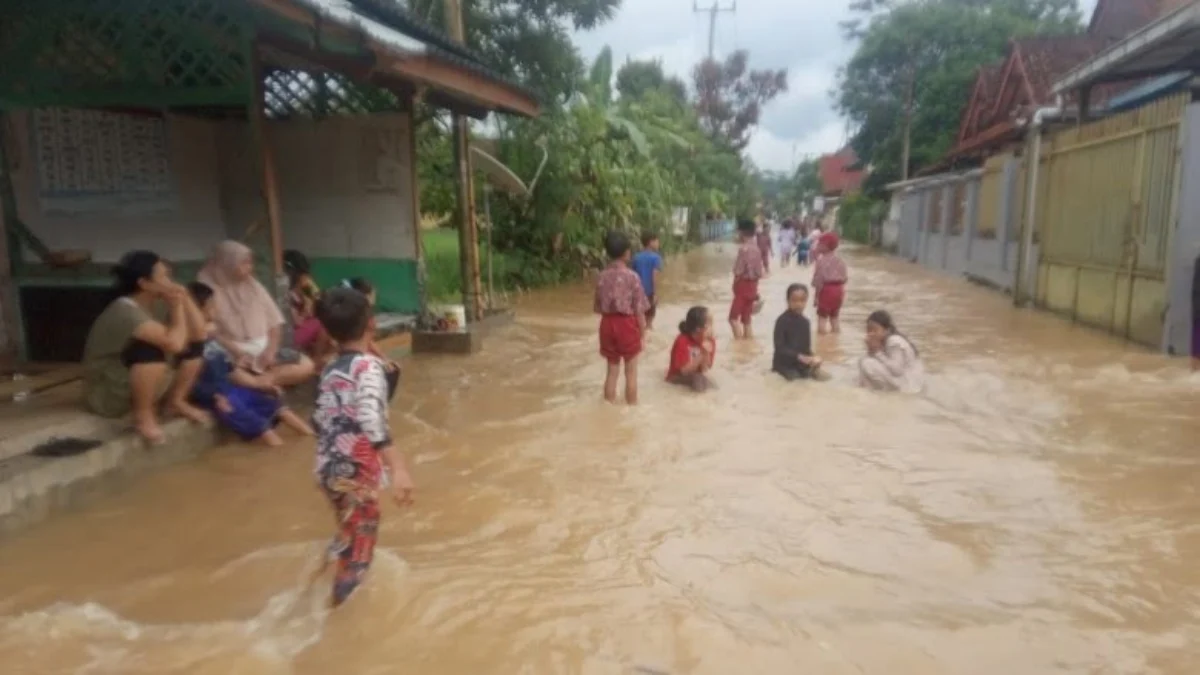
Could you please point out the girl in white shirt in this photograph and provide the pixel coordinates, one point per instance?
(892, 362)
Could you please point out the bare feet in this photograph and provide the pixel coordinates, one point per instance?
(149, 430)
(271, 439)
(296, 422)
(191, 412)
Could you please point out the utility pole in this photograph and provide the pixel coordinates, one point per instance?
(713, 10)
(906, 147)
(468, 234)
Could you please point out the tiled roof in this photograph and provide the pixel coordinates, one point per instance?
(1114, 19)
(983, 98)
(1047, 58)
(837, 174)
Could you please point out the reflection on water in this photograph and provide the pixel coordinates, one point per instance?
(1034, 512)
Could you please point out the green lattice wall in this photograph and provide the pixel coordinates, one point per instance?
(161, 54)
(155, 53)
(322, 94)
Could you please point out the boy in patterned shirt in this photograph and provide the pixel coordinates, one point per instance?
(355, 452)
(622, 305)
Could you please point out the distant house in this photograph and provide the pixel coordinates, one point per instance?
(1006, 93)
(840, 176)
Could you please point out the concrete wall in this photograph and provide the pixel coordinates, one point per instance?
(346, 198)
(184, 232)
(1185, 246)
(991, 260)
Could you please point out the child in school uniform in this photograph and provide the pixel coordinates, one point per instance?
(356, 456)
(765, 248)
(249, 405)
(829, 284)
(622, 305)
(694, 351)
(748, 268)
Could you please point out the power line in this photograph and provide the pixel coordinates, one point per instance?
(712, 11)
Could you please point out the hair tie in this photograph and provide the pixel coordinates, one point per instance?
(346, 284)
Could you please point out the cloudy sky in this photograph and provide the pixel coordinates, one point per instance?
(800, 35)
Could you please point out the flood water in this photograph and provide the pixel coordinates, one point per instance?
(1036, 511)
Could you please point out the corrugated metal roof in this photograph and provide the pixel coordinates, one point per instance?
(343, 12)
(394, 26)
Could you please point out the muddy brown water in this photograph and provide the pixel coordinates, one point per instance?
(1036, 511)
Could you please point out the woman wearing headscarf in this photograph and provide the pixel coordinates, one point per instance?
(829, 283)
(249, 323)
(146, 345)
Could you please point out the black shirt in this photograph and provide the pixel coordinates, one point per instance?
(793, 337)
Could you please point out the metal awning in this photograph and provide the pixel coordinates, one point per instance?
(1169, 44)
(402, 47)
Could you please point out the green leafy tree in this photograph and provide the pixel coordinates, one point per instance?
(913, 67)
(636, 79)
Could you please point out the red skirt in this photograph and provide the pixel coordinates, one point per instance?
(620, 337)
(829, 300)
(745, 292)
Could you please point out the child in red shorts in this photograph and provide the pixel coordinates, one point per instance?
(622, 305)
(829, 284)
(747, 270)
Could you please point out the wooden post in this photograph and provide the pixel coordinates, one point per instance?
(12, 343)
(468, 235)
(415, 188)
(270, 186)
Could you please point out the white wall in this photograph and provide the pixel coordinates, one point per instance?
(186, 232)
(345, 185)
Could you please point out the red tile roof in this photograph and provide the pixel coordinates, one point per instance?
(838, 177)
(983, 98)
(1115, 19)
(1046, 59)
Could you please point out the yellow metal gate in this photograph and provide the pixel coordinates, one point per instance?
(1106, 210)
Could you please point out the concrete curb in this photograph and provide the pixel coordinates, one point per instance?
(33, 488)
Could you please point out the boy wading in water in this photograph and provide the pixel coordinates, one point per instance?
(748, 268)
(622, 305)
(648, 263)
(354, 445)
(793, 358)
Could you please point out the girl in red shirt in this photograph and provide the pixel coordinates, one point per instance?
(693, 352)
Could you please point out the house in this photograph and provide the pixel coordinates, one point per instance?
(1006, 94)
(840, 177)
(173, 124)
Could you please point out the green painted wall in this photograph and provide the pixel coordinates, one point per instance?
(395, 280)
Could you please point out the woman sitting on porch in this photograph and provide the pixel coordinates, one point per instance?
(129, 351)
(249, 323)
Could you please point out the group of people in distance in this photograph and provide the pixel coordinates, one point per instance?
(626, 300)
